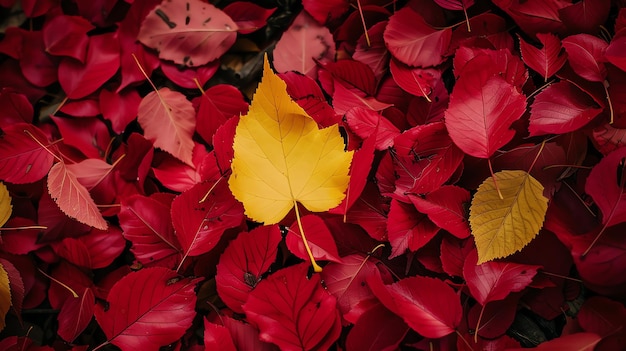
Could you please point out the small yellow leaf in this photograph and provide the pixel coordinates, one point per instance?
(5, 204)
(282, 157)
(5, 295)
(503, 226)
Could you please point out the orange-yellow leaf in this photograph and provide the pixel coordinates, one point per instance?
(5, 295)
(282, 157)
(503, 226)
(5, 204)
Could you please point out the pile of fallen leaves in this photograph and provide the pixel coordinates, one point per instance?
(337, 174)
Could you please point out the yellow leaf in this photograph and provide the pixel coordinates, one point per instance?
(282, 157)
(5, 204)
(503, 226)
(5, 295)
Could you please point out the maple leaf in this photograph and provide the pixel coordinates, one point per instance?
(503, 225)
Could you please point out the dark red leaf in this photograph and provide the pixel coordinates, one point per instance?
(148, 309)
(22, 159)
(413, 41)
(616, 52)
(243, 263)
(96, 249)
(606, 318)
(16, 108)
(201, 214)
(304, 43)
(605, 185)
(218, 104)
(88, 135)
(408, 229)
(147, 225)
(585, 16)
(16, 284)
(607, 138)
(495, 318)
(572, 342)
(352, 74)
(547, 60)
(38, 67)
(320, 239)
(535, 16)
(184, 76)
(453, 254)
(14, 343)
(493, 281)
(120, 108)
(326, 10)
(561, 108)
(75, 315)
(370, 334)
(102, 61)
(248, 16)
(428, 305)
(206, 32)
(455, 4)
(446, 207)
(67, 36)
(294, 312)
(585, 53)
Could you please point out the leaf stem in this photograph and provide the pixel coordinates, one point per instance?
(605, 84)
(25, 227)
(464, 341)
(480, 317)
(543, 143)
(469, 29)
(316, 267)
(74, 294)
(495, 181)
(367, 37)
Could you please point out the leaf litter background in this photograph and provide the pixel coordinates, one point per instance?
(484, 209)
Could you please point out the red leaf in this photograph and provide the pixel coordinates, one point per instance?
(169, 120)
(88, 135)
(345, 98)
(586, 56)
(482, 108)
(534, 16)
(243, 263)
(147, 225)
(102, 61)
(492, 63)
(416, 81)
(22, 159)
(67, 36)
(547, 60)
(495, 318)
(606, 318)
(120, 108)
(447, 208)
(218, 104)
(365, 123)
(321, 241)
(223, 144)
(585, 16)
(455, 4)
(408, 229)
(572, 342)
(413, 41)
(616, 52)
(148, 309)
(248, 16)
(73, 198)
(607, 138)
(561, 108)
(428, 305)
(184, 76)
(245, 336)
(16, 284)
(16, 108)
(607, 189)
(305, 317)
(99, 247)
(75, 315)
(304, 43)
(326, 10)
(369, 334)
(374, 54)
(493, 281)
(14, 343)
(189, 32)
(217, 337)
(453, 254)
(201, 215)
(307, 93)
(38, 67)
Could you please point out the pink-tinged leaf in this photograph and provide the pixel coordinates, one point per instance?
(482, 108)
(184, 76)
(616, 52)
(369, 334)
(73, 198)
(67, 36)
(304, 43)
(217, 337)
(190, 32)
(147, 225)
(148, 309)
(218, 104)
(458, 5)
(169, 121)
(16, 284)
(201, 214)
(493, 281)
(408, 229)
(304, 318)
(426, 159)
(546, 60)
(605, 184)
(607, 138)
(585, 53)
(326, 10)
(102, 61)
(75, 315)
(447, 208)
(120, 108)
(572, 342)
(585, 16)
(416, 81)
(453, 254)
(560, 108)
(428, 305)
(606, 318)
(413, 41)
(345, 98)
(90, 172)
(243, 263)
(374, 54)
(248, 16)
(318, 235)
(365, 123)
(22, 159)
(99, 247)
